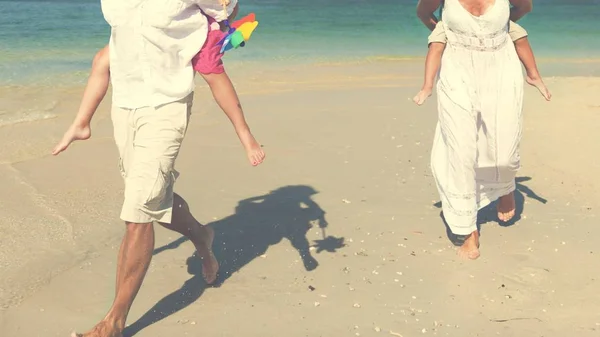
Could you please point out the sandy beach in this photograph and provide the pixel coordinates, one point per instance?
(348, 170)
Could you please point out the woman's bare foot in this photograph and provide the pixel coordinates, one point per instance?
(537, 82)
(203, 241)
(506, 207)
(75, 132)
(103, 329)
(422, 96)
(470, 248)
(254, 151)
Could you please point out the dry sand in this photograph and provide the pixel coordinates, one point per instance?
(344, 143)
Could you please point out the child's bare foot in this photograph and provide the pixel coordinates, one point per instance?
(470, 248)
(75, 132)
(422, 96)
(537, 82)
(254, 151)
(506, 207)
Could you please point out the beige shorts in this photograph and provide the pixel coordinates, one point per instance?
(438, 35)
(149, 140)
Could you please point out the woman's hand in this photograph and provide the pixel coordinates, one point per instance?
(426, 10)
(520, 8)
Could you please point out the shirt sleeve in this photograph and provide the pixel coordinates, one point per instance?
(515, 31)
(438, 35)
(214, 9)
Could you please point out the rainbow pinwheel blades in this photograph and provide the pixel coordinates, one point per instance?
(248, 18)
(247, 29)
(239, 32)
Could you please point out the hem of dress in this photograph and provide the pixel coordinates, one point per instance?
(497, 193)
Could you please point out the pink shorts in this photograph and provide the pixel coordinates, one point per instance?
(208, 60)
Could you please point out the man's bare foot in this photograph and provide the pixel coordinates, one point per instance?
(537, 82)
(75, 132)
(103, 329)
(422, 96)
(203, 241)
(506, 207)
(254, 151)
(470, 248)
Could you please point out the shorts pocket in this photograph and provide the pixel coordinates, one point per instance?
(163, 185)
(178, 114)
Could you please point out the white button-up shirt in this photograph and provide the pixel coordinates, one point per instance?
(152, 43)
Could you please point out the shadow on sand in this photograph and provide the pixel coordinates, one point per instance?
(489, 214)
(258, 223)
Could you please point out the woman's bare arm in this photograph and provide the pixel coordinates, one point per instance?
(426, 12)
(520, 8)
(432, 66)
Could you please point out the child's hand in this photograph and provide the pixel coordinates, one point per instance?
(422, 96)
(224, 2)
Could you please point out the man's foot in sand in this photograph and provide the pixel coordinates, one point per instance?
(254, 151)
(537, 82)
(75, 132)
(422, 96)
(470, 248)
(103, 329)
(203, 241)
(506, 207)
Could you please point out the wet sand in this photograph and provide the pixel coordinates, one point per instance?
(347, 173)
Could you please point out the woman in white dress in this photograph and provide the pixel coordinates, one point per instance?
(475, 153)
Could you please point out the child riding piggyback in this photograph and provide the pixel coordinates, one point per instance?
(208, 63)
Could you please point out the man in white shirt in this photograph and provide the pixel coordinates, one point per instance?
(152, 44)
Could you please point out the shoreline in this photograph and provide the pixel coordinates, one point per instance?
(78, 77)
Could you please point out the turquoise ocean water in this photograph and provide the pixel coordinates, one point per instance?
(50, 41)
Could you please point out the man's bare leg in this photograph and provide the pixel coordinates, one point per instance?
(184, 223)
(526, 56)
(470, 248)
(133, 262)
(506, 207)
(120, 257)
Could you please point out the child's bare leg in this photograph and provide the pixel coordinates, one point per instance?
(533, 75)
(92, 96)
(225, 95)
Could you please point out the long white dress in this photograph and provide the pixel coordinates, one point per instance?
(475, 153)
